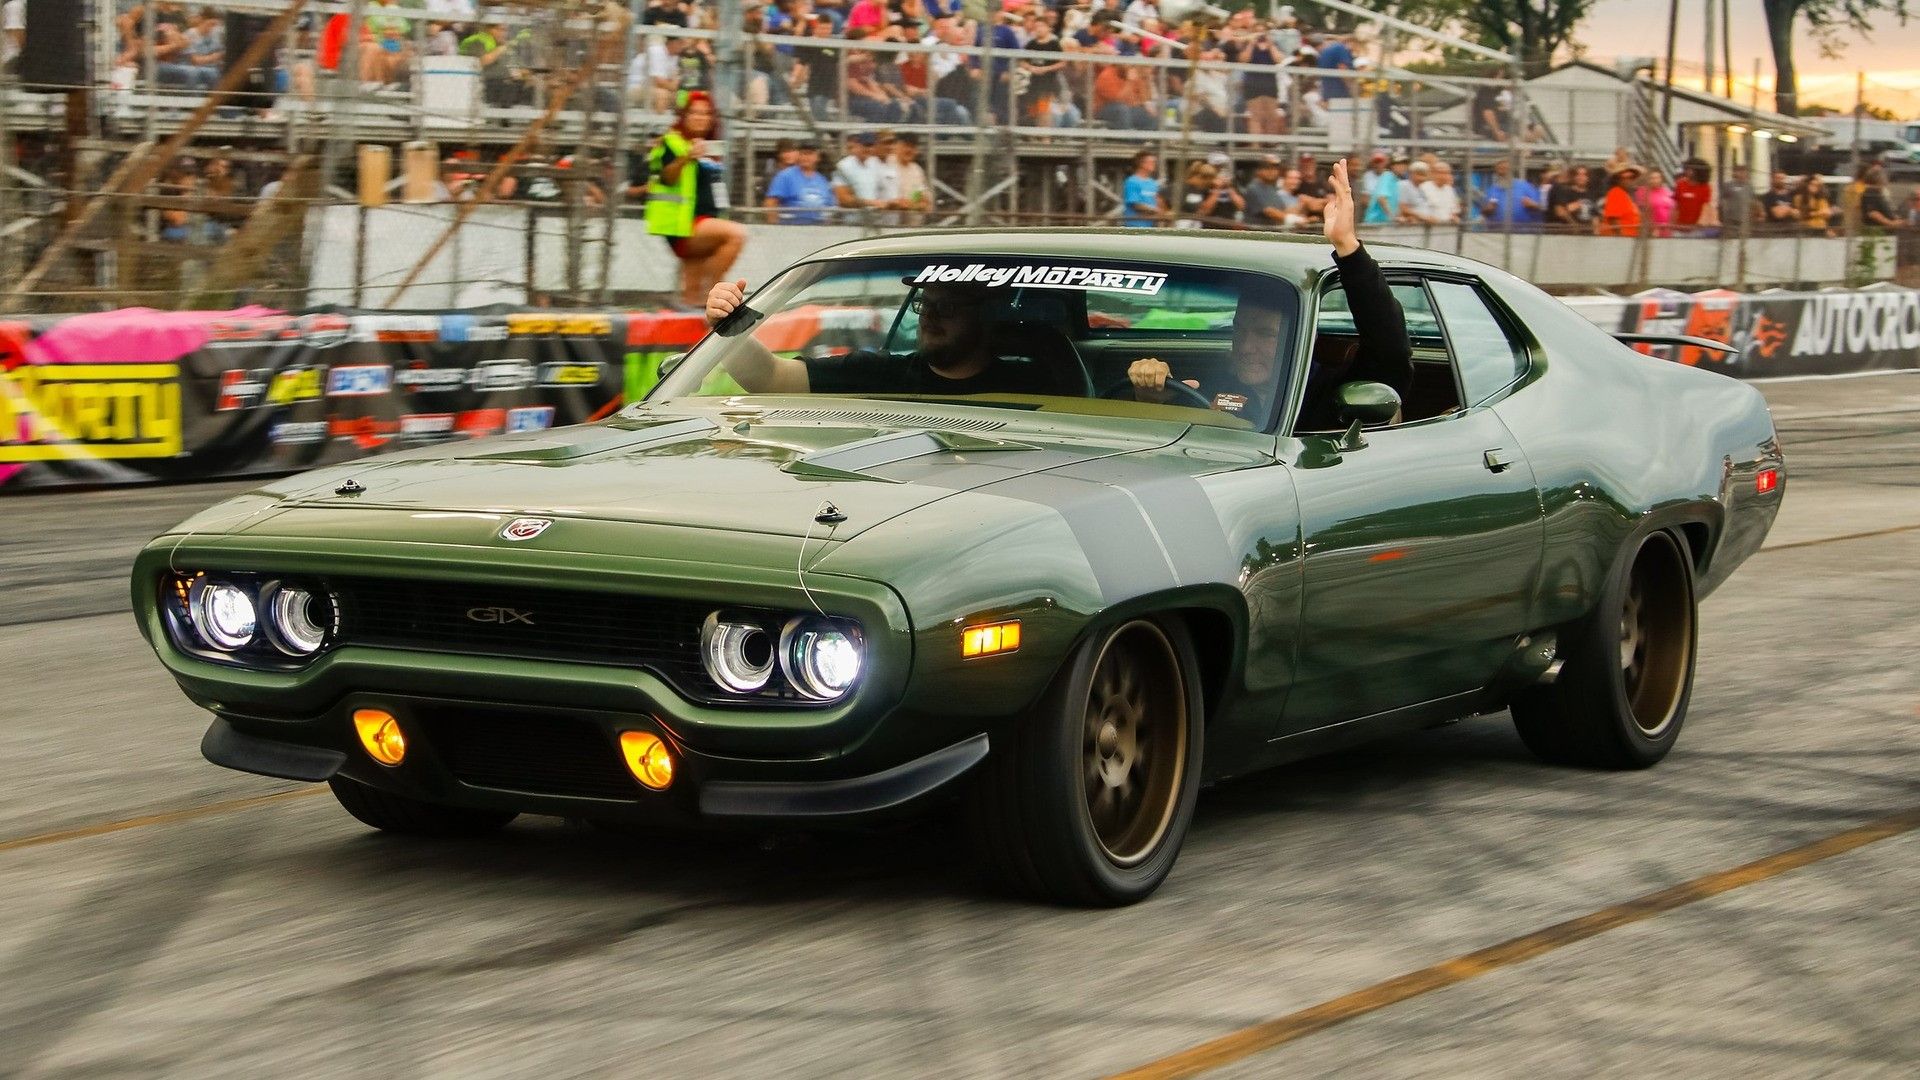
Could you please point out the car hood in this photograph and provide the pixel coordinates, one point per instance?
(772, 467)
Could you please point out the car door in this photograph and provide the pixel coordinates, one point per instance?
(1422, 547)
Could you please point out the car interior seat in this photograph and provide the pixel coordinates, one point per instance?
(1048, 349)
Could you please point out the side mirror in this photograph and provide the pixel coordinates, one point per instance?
(1365, 404)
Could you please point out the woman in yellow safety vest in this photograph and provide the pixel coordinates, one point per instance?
(685, 194)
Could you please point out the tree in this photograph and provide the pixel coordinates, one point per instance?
(1532, 30)
(1826, 18)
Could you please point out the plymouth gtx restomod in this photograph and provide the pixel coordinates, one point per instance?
(1060, 597)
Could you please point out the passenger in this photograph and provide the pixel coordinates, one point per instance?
(1383, 353)
(953, 355)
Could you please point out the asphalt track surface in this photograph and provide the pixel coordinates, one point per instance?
(1438, 905)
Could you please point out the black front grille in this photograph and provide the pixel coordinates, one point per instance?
(538, 753)
(661, 636)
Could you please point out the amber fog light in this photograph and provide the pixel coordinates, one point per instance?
(647, 758)
(380, 733)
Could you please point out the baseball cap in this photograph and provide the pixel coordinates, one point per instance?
(1219, 160)
(1270, 159)
(864, 138)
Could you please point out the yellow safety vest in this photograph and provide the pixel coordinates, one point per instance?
(670, 206)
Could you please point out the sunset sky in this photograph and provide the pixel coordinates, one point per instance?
(1890, 56)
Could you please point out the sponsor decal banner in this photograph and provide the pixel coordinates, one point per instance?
(256, 392)
(110, 412)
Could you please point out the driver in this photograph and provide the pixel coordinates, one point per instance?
(1384, 353)
(952, 354)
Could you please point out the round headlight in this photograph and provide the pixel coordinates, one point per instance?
(223, 613)
(297, 620)
(821, 659)
(738, 655)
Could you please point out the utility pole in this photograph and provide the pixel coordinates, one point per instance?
(1673, 33)
(1726, 44)
(1708, 53)
(982, 105)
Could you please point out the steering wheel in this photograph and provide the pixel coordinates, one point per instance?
(1201, 400)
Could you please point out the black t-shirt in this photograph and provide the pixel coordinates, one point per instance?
(823, 71)
(1770, 199)
(1872, 201)
(869, 372)
(1578, 204)
(1048, 85)
(1254, 84)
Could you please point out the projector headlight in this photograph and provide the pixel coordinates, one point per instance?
(820, 657)
(298, 619)
(738, 654)
(223, 613)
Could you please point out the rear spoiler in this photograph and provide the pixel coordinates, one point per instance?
(1676, 339)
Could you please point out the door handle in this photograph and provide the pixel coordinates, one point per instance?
(1496, 460)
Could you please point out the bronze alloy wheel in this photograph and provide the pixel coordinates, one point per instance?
(1135, 742)
(1656, 638)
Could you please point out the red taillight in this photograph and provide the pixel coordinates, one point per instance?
(1766, 480)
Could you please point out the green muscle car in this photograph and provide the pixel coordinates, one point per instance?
(911, 526)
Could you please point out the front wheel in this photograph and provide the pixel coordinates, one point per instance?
(1623, 691)
(1089, 799)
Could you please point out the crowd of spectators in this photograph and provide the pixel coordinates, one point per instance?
(933, 84)
(1616, 198)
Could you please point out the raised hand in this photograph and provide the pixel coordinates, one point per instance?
(1339, 212)
(724, 297)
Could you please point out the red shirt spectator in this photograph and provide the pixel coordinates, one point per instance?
(1690, 198)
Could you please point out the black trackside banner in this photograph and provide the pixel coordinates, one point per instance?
(1831, 332)
(139, 396)
(133, 396)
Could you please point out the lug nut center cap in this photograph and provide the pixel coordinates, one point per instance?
(1108, 740)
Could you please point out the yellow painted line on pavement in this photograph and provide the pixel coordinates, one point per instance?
(164, 818)
(1837, 539)
(1262, 1037)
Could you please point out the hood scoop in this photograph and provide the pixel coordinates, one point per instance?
(597, 439)
(854, 460)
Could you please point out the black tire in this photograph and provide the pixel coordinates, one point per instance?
(1623, 691)
(399, 814)
(1126, 706)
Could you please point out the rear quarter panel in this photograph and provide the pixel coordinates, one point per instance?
(1621, 442)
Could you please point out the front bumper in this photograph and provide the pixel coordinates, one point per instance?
(433, 770)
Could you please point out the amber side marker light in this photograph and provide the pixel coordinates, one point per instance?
(989, 639)
(648, 758)
(380, 733)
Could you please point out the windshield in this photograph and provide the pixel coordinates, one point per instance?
(1042, 333)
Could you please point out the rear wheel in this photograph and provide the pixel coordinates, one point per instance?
(1089, 800)
(1623, 691)
(399, 814)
